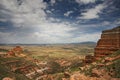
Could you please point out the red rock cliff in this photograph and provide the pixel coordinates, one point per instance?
(109, 42)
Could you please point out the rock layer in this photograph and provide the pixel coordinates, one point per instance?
(109, 43)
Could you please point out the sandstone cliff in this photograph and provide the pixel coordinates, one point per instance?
(108, 43)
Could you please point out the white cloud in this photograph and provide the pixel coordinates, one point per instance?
(85, 1)
(117, 22)
(55, 33)
(93, 12)
(3, 20)
(87, 37)
(48, 11)
(29, 14)
(106, 23)
(54, 19)
(6, 37)
(68, 13)
(53, 2)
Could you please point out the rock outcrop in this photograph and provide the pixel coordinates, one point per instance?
(109, 43)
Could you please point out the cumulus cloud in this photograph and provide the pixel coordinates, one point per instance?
(47, 35)
(49, 12)
(3, 20)
(87, 37)
(27, 15)
(93, 13)
(31, 24)
(28, 12)
(106, 23)
(6, 37)
(53, 32)
(53, 2)
(44, 33)
(85, 1)
(117, 22)
(68, 13)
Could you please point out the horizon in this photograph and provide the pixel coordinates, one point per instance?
(56, 21)
(86, 42)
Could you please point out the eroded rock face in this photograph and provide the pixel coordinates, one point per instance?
(109, 42)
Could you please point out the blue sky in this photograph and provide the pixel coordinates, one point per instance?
(56, 21)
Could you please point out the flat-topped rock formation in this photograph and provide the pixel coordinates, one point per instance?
(109, 42)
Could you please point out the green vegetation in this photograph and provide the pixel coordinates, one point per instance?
(115, 54)
(60, 51)
(55, 67)
(86, 51)
(67, 53)
(115, 67)
(112, 68)
(3, 50)
(6, 72)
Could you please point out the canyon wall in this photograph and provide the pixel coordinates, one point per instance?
(108, 43)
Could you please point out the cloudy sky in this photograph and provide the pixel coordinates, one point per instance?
(56, 21)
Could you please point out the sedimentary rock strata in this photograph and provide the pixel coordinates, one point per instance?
(109, 42)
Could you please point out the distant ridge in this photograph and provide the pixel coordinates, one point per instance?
(77, 43)
(87, 42)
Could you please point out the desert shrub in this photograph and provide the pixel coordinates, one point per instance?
(20, 77)
(117, 53)
(5, 72)
(88, 71)
(3, 50)
(116, 68)
(55, 67)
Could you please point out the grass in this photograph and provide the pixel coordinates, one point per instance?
(59, 51)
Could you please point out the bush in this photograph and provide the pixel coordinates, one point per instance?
(116, 68)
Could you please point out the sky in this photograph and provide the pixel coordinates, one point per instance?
(56, 21)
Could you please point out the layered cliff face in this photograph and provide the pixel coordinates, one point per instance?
(109, 42)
